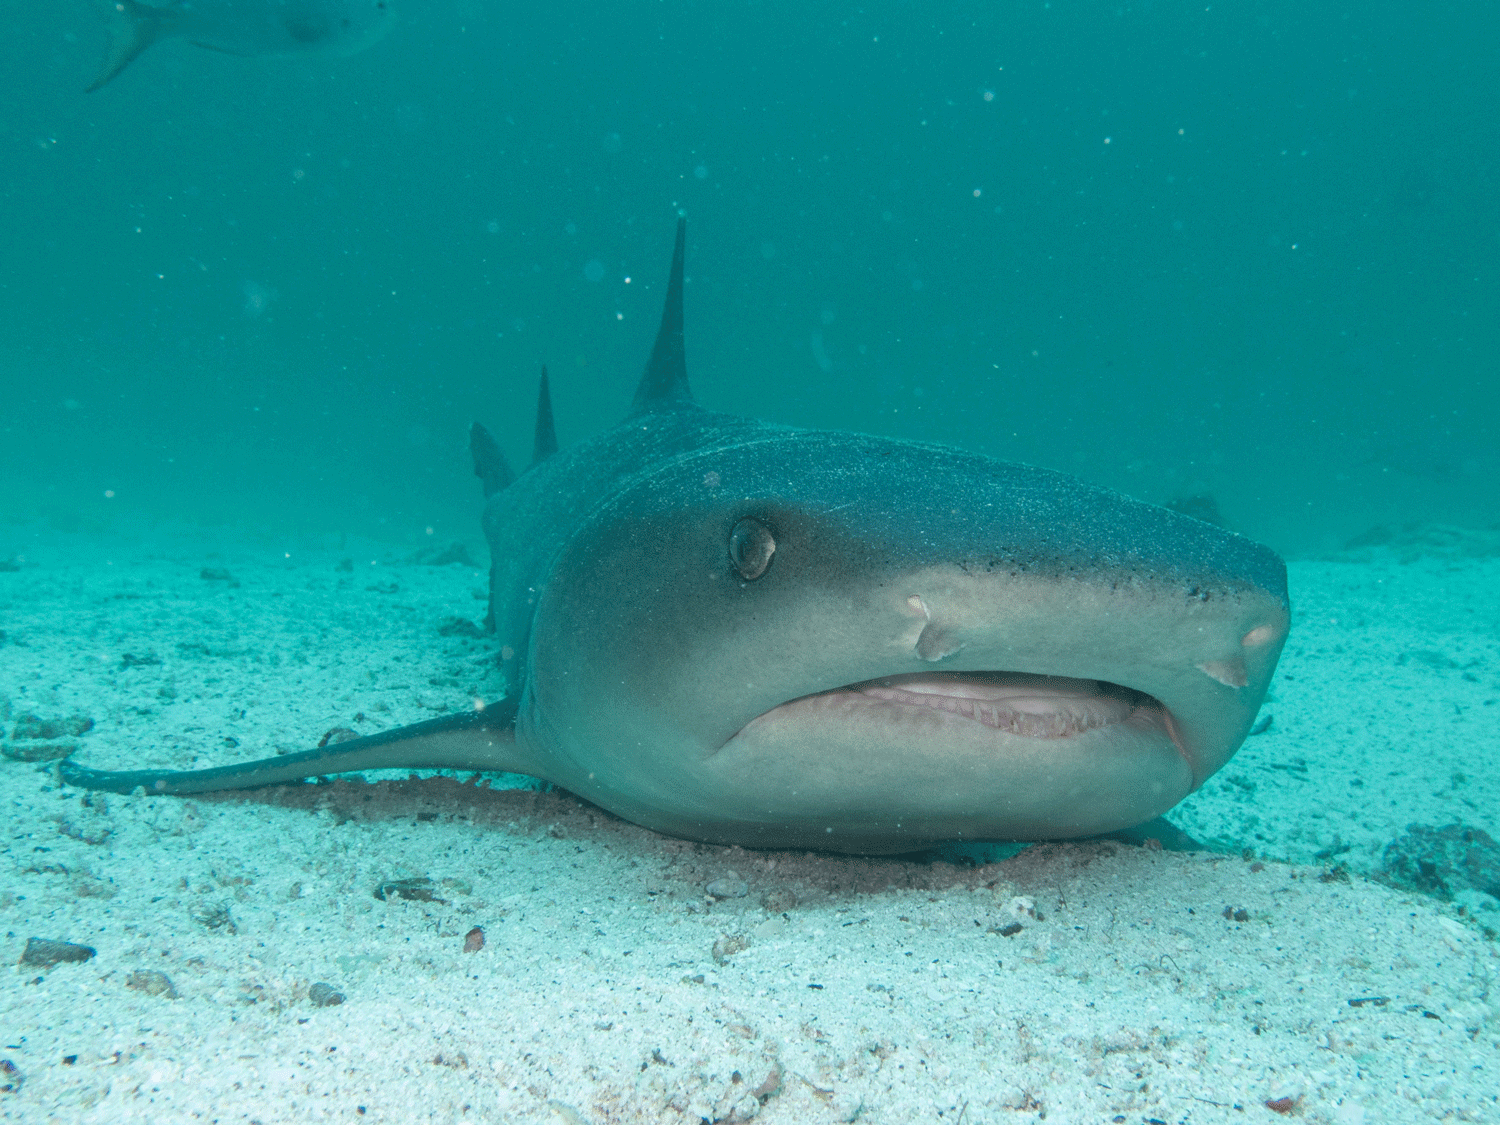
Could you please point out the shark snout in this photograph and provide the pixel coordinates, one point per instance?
(1203, 655)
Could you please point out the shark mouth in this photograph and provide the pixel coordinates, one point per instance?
(1020, 704)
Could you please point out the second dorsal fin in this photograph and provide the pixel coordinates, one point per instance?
(664, 386)
(544, 444)
(490, 465)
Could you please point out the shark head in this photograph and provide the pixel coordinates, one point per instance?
(831, 640)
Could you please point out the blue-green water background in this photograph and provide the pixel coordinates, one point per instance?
(1244, 249)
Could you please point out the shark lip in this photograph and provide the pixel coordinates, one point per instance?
(1020, 704)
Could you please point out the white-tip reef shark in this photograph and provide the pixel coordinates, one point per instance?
(241, 27)
(752, 634)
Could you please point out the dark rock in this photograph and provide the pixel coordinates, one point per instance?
(152, 982)
(29, 751)
(1443, 861)
(779, 900)
(33, 726)
(45, 952)
(213, 916)
(413, 890)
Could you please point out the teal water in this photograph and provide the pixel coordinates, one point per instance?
(1176, 249)
(1241, 257)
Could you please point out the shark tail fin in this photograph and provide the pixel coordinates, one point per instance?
(475, 740)
(133, 27)
(490, 465)
(544, 445)
(665, 383)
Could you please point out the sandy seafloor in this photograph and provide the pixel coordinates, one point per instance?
(613, 988)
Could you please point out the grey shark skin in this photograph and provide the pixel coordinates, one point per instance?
(750, 634)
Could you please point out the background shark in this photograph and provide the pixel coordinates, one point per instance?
(751, 634)
(242, 27)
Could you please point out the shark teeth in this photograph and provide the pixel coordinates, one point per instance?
(1053, 708)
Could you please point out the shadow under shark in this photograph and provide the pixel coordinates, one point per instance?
(752, 634)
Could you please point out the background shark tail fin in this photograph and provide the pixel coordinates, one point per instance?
(665, 383)
(132, 28)
(544, 444)
(490, 465)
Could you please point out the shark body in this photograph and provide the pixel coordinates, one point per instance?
(752, 634)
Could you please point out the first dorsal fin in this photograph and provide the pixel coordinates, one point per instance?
(544, 444)
(664, 386)
(490, 465)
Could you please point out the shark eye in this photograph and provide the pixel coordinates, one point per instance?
(751, 546)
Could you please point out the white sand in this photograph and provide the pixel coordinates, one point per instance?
(878, 990)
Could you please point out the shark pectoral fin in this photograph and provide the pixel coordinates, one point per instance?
(479, 740)
(133, 27)
(1159, 828)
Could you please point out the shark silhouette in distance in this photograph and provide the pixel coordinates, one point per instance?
(752, 634)
(241, 27)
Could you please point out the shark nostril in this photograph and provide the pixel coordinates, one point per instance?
(1258, 636)
(1230, 673)
(937, 642)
